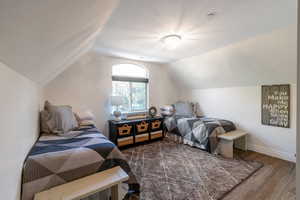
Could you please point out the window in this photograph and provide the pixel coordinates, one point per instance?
(131, 82)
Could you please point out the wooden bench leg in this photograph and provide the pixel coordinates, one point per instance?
(115, 193)
(226, 148)
(241, 143)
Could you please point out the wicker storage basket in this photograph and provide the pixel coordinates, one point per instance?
(156, 124)
(124, 130)
(142, 127)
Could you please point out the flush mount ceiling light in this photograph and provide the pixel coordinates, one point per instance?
(211, 13)
(171, 41)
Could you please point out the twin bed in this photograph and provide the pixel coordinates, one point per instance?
(55, 160)
(200, 132)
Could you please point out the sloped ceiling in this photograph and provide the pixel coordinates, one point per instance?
(136, 27)
(270, 58)
(39, 39)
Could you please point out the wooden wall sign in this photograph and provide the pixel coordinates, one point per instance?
(275, 105)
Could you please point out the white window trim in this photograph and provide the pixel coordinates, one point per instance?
(131, 79)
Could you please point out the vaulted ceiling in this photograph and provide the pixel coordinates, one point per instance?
(136, 27)
(39, 39)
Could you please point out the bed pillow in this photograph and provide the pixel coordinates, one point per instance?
(167, 110)
(87, 123)
(61, 119)
(184, 108)
(77, 118)
(44, 118)
(86, 115)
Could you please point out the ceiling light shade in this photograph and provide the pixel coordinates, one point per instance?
(171, 41)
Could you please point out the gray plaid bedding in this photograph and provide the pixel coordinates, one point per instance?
(55, 160)
(199, 132)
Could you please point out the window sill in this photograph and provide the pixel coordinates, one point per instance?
(135, 113)
(132, 113)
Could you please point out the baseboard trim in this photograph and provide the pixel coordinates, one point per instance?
(272, 152)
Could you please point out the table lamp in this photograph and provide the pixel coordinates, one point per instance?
(117, 101)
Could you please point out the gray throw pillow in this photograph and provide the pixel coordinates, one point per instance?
(44, 118)
(61, 119)
(184, 108)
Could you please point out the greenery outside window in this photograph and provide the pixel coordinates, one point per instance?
(131, 82)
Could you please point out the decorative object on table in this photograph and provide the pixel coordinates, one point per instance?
(275, 105)
(167, 110)
(117, 101)
(152, 111)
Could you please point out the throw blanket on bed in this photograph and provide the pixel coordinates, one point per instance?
(55, 160)
(200, 132)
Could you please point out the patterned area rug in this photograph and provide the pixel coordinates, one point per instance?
(169, 170)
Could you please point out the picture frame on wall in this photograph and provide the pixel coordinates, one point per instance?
(275, 105)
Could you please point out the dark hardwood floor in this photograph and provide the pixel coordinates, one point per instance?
(275, 181)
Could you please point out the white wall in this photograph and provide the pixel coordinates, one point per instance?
(227, 84)
(264, 59)
(19, 106)
(86, 85)
(242, 106)
(298, 109)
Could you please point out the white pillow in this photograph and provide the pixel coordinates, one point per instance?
(86, 115)
(167, 110)
(87, 123)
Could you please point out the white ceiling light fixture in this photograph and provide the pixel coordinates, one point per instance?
(171, 41)
(211, 13)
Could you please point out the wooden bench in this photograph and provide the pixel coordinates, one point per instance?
(237, 139)
(84, 187)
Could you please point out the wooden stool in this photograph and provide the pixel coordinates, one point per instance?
(237, 139)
